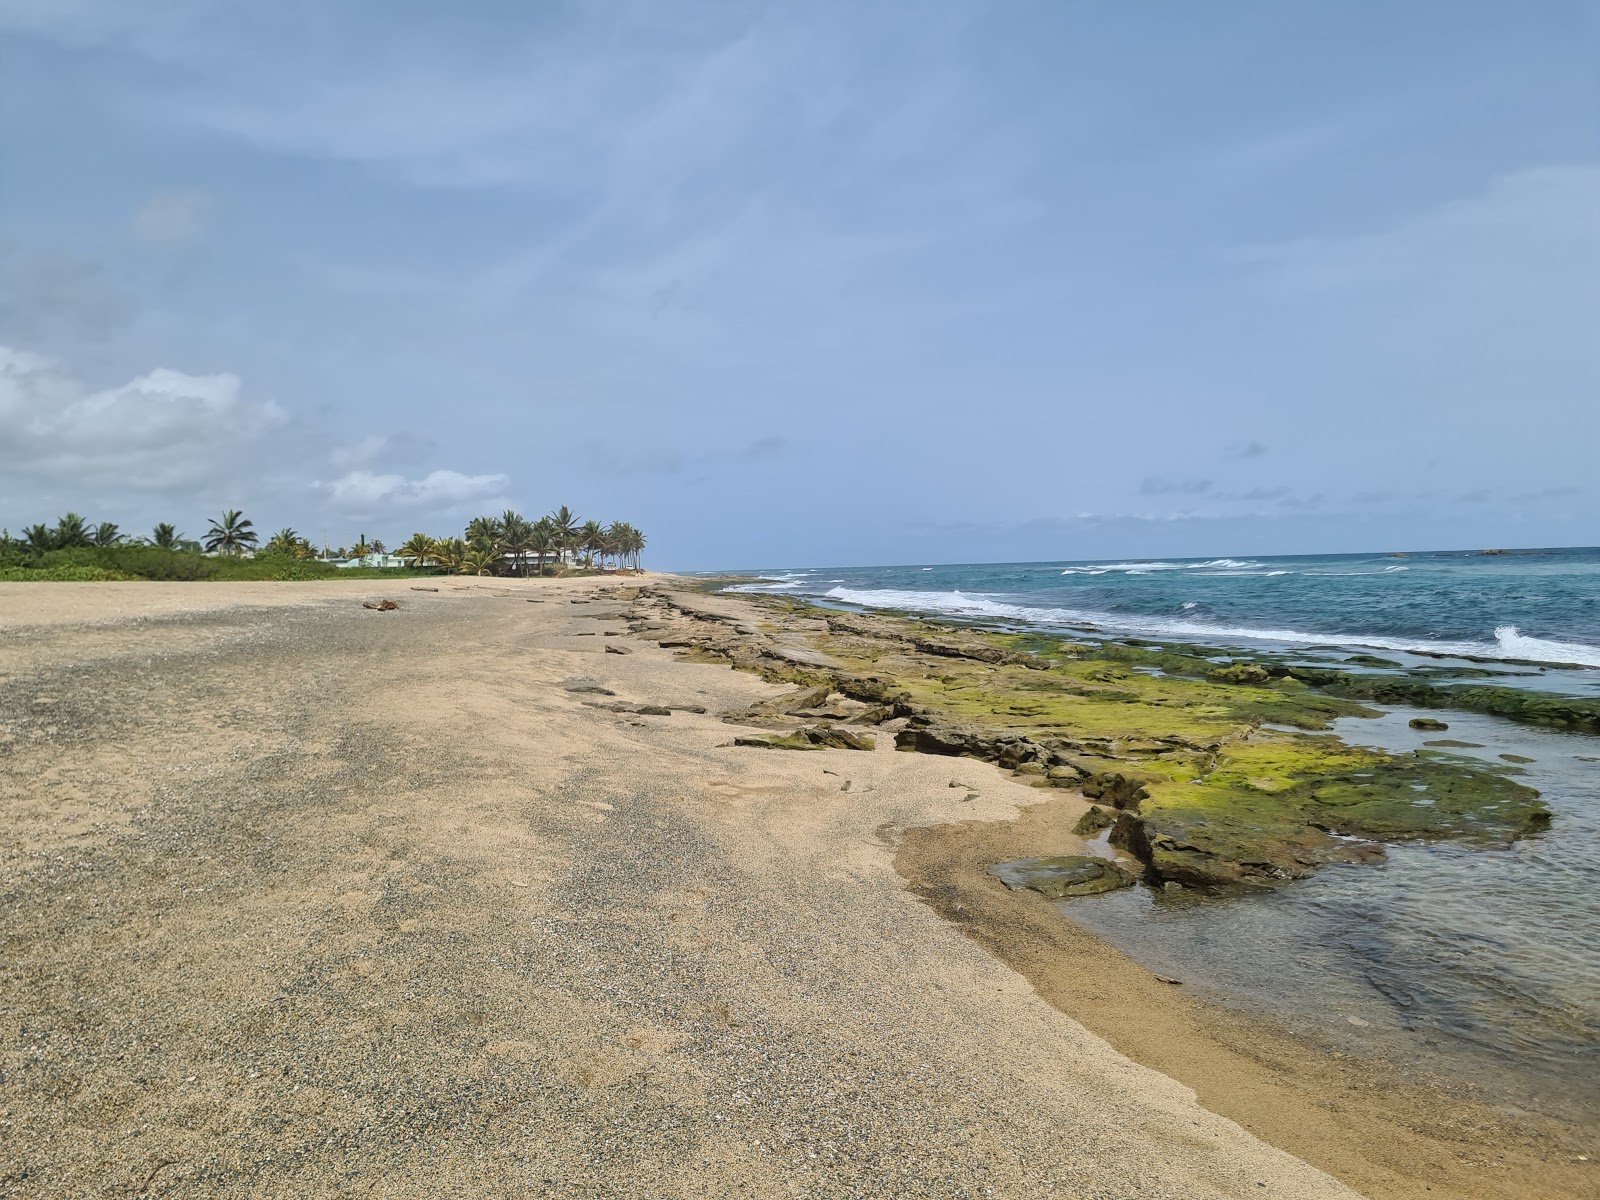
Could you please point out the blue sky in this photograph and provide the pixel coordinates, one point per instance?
(808, 283)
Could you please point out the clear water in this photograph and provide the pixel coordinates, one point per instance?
(1482, 965)
(1478, 964)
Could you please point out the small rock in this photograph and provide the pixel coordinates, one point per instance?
(1062, 875)
(612, 649)
(1429, 724)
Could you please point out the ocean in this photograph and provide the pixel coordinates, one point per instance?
(1481, 966)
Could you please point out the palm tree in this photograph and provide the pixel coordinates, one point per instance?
(420, 547)
(231, 535)
(361, 549)
(590, 538)
(376, 545)
(39, 539)
(71, 530)
(483, 532)
(543, 539)
(106, 534)
(289, 543)
(516, 537)
(564, 526)
(479, 561)
(636, 540)
(450, 553)
(165, 536)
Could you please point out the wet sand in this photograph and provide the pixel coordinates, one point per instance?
(306, 899)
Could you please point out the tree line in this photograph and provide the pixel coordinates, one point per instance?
(507, 544)
(511, 543)
(233, 534)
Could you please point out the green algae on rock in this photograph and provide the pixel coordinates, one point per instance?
(1214, 767)
(1062, 875)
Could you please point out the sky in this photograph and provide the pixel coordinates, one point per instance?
(809, 284)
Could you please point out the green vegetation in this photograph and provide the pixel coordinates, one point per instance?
(74, 550)
(510, 544)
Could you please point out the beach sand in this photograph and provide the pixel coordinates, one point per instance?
(304, 899)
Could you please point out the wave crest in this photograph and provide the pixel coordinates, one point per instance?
(1508, 642)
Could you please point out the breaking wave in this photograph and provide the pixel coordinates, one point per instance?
(1508, 642)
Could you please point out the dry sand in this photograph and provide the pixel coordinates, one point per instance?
(302, 899)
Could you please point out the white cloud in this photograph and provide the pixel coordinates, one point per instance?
(174, 219)
(164, 429)
(370, 493)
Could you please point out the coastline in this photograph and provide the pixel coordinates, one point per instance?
(1382, 1127)
(264, 936)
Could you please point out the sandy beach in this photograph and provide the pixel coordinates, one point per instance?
(306, 899)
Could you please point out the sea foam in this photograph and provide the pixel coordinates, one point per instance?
(1508, 643)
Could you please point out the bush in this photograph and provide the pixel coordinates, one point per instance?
(95, 563)
(62, 574)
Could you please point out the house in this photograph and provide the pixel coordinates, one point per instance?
(382, 561)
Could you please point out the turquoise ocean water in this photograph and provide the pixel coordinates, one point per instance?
(1482, 966)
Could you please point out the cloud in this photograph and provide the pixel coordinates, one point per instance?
(170, 220)
(164, 429)
(399, 447)
(47, 297)
(1156, 486)
(367, 493)
(1245, 450)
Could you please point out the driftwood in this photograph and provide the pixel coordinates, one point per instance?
(380, 605)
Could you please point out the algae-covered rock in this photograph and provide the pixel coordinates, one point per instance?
(1183, 746)
(835, 738)
(785, 742)
(1062, 875)
(1093, 821)
(1371, 660)
(1428, 724)
(1239, 673)
(1276, 809)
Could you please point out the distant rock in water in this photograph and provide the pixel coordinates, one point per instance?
(1428, 724)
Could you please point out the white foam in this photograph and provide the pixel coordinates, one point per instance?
(1514, 645)
(1145, 568)
(1508, 643)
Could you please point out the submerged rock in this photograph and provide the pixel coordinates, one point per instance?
(1063, 875)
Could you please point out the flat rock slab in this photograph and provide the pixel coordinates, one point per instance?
(1062, 875)
(802, 656)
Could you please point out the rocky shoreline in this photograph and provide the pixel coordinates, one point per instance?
(1214, 771)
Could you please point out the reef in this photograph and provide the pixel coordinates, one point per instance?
(1214, 770)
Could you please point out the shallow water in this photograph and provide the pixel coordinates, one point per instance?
(1483, 965)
